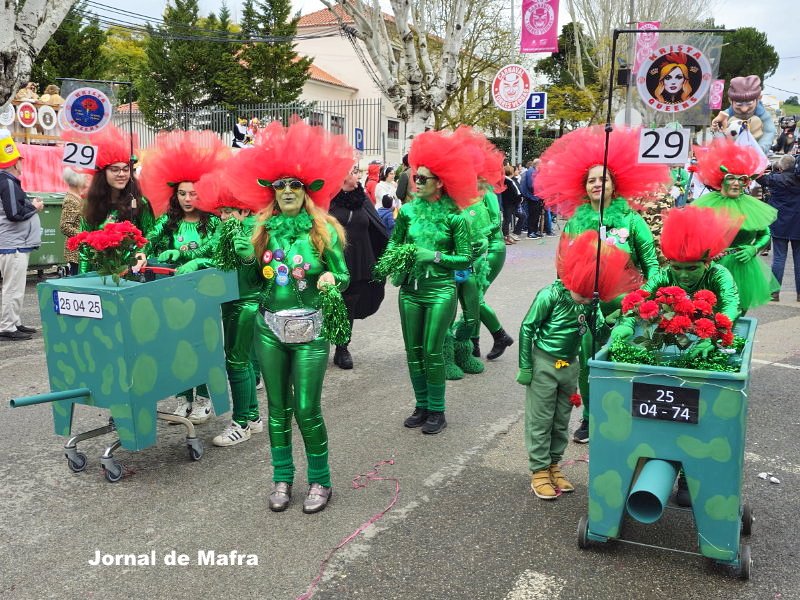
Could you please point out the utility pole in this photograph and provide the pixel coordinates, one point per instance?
(513, 114)
(631, 59)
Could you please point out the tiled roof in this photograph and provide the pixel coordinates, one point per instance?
(326, 17)
(317, 74)
(124, 108)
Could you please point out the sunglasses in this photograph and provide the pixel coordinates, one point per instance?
(423, 179)
(294, 184)
(118, 170)
(730, 178)
(183, 194)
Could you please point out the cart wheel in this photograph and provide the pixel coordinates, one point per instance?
(747, 519)
(583, 530)
(114, 474)
(76, 466)
(196, 450)
(745, 562)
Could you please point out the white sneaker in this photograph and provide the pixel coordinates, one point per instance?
(260, 384)
(184, 408)
(201, 410)
(256, 426)
(232, 435)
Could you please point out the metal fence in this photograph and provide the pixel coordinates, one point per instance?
(338, 116)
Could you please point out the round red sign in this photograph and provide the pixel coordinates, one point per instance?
(26, 114)
(511, 87)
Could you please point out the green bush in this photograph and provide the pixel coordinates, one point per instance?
(532, 146)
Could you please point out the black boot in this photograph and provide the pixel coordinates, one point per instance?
(342, 358)
(435, 422)
(501, 341)
(682, 496)
(476, 347)
(417, 418)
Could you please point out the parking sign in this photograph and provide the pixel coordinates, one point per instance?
(536, 106)
(359, 135)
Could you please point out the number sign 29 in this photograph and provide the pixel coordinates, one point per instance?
(665, 145)
(79, 155)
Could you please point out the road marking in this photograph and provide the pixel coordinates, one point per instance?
(536, 586)
(775, 364)
(778, 463)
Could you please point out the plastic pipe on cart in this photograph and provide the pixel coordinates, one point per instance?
(51, 397)
(651, 490)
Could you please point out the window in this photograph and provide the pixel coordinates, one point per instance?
(393, 134)
(337, 124)
(316, 119)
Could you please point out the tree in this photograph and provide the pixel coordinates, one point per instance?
(25, 29)
(747, 52)
(124, 53)
(74, 50)
(792, 101)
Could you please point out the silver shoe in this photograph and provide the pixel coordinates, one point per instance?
(280, 496)
(317, 498)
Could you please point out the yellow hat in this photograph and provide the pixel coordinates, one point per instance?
(9, 155)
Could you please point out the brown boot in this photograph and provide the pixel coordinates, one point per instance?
(542, 485)
(559, 481)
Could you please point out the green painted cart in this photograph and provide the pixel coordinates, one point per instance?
(648, 422)
(125, 348)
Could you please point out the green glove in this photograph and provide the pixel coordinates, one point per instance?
(169, 256)
(189, 267)
(612, 318)
(243, 247)
(525, 376)
(424, 255)
(622, 333)
(702, 349)
(746, 254)
(480, 247)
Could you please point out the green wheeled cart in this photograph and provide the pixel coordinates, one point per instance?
(646, 423)
(125, 348)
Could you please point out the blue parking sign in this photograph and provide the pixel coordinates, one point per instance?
(536, 106)
(359, 136)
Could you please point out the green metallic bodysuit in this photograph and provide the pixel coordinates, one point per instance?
(470, 291)
(495, 257)
(427, 299)
(187, 239)
(144, 223)
(293, 373)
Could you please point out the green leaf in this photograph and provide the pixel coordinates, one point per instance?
(264, 182)
(316, 185)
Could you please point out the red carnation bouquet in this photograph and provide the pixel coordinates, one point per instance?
(673, 318)
(113, 248)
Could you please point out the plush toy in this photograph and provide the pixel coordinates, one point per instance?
(787, 138)
(746, 111)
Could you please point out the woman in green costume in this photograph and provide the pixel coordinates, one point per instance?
(290, 176)
(729, 168)
(182, 235)
(430, 241)
(570, 180)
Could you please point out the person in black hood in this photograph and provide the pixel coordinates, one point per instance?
(366, 241)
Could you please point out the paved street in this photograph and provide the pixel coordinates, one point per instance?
(464, 526)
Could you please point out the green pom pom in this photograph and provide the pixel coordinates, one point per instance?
(399, 260)
(225, 256)
(335, 322)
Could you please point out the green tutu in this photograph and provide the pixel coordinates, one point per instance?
(754, 280)
(757, 214)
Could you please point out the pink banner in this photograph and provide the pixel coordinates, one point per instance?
(646, 42)
(715, 95)
(539, 26)
(42, 168)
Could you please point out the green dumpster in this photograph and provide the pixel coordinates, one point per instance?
(51, 252)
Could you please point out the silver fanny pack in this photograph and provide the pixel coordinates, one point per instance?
(294, 326)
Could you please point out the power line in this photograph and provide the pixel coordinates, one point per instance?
(781, 89)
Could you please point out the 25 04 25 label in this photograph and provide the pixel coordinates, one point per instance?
(77, 305)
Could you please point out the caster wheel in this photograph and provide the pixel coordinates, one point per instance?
(747, 519)
(78, 465)
(114, 474)
(745, 562)
(583, 531)
(196, 450)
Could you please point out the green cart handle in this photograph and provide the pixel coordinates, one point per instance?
(51, 397)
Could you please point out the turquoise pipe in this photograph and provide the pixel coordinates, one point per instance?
(51, 397)
(650, 492)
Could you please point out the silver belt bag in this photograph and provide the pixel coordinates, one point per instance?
(294, 326)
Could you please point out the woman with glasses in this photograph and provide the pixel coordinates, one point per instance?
(113, 194)
(289, 177)
(183, 235)
(729, 168)
(435, 232)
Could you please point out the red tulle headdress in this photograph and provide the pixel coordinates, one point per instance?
(575, 265)
(449, 158)
(315, 156)
(561, 180)
(214, 192)
(697, 233)
(178, 156)
(113, 145)
(488, 160)
(735, 158)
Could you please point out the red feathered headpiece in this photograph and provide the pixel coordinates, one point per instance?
(695, 233)
(178, 156)
(487, 158)
(315, 156)
(561, 179)
(214, 192)
(575, 265)
(449, 158)
(113, 145)
(735, 158)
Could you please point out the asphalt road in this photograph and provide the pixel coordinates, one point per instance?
(464, 524)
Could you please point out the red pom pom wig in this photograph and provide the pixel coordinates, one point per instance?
(178, 156)
(113, 146)
(723, 152)
(311, 154)
(214, 193)
(561, 180)
(449, 158)
(488, 160)
(575, 265)
(694, 233)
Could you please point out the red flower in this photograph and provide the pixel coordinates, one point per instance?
(723, 321)
(705, 328)
(683, 306)
(648, 310)
(706, 295)
(673, 290)
(703, 307)
(663, 324)
(630, 301)
(575, 400)
(679, 324)
(726, 339)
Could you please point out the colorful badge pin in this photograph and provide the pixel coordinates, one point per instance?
(307, 266)
(298, 273)
(283, 270)
(267, 256)
(279, 254)
(282, 279)
(268, 272)
(297, 259)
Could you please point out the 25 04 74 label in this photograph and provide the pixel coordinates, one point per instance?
(666, 403)
(77, 305)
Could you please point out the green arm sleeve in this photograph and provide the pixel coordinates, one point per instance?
(146, 218)
(493, 208)
(645, 247)
(401, 224)
(156, 238)
(460, 258)
(721, 282)
(207, 245)
(334, 260)
(762, 240)
(540, 309)
(84, 254)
